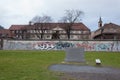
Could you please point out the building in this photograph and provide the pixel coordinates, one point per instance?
(5, 33)
(53, 31)
(109, 31)
(78, 31)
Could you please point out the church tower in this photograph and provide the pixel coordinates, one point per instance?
(100, 23)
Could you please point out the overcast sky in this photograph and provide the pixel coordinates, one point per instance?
(22, 11)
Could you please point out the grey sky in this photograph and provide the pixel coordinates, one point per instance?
(22, 11)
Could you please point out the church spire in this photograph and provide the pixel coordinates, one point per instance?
(100, 23)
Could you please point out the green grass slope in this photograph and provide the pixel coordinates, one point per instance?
(33, 65)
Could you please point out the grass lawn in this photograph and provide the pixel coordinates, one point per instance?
(111, 59)
(33, 65)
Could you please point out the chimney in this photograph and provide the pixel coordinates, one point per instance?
(30, 23)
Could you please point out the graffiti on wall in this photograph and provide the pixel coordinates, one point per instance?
(52, 45)
(99, 46)
(17, 45)
(61, 45)
(44, 45)
(87, 45)
(103, 47)
(115, 46)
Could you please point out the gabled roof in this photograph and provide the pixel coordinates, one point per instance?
(57, 28)
(109, 28)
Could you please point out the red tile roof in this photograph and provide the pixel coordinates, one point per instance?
(4, 31)
(111, 25)
(17, 27)
(80, 26)
(76, 26)
(108, 26)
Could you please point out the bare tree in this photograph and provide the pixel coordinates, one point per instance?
(42, 19)
(71, 17)
(40, 23)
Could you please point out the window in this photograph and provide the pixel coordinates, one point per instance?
(73, 31)
(72, 36)
(30, 31)
(48, 31)
(13, 31)
(17, 31)
(48, 36)
(80, 32)
(20, 31)
(45, 31)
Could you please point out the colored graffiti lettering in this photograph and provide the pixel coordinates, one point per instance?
(63, 45)
(87, 46)
(103, 47)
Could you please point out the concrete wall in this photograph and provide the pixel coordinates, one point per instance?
(61, 45)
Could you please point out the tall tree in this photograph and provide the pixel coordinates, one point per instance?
(40, 23)
(71, 17)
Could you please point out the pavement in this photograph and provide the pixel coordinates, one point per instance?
(77, 72)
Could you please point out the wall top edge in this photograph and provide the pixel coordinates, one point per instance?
(61, 40)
